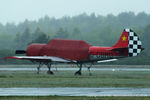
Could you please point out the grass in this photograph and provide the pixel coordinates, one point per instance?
(67, 79)
(72, 98)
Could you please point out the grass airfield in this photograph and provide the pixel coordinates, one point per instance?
(68, 79)
(62, 78)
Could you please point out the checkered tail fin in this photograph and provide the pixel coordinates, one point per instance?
(129, 43)
(135, 45)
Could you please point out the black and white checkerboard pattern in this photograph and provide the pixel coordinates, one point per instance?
(134, 43)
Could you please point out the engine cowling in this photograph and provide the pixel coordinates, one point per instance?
(34, 49)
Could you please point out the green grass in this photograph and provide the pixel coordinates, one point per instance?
(71, 98)
(67, 79)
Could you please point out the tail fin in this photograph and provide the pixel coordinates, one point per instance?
(130, 40)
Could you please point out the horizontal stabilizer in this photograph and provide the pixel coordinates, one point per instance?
(118, 49)
(109, 60)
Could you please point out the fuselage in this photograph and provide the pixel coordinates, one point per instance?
(73, 50)
(99, 53)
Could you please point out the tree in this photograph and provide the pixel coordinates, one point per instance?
(146, 39)
(25, 38)
(42, 38)
(62, 33)
(22, 40)
(76, 34)
(39, 37)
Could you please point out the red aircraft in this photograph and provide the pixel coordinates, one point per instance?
(80, 52)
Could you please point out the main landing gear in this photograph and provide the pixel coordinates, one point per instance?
(80, 68)
(88, 68)
(79, 71)
(48, 66)
(49, 69)
(51, 73)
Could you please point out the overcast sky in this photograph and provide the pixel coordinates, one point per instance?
(19, 10)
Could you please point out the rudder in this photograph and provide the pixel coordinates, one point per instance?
(135, 45)
(130, 40)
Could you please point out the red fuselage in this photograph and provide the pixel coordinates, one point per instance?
(73, 50)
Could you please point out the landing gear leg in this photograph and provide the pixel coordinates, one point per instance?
(38, 68)
(90, 74)
(88, 68)
(79, 71)
(49, 69)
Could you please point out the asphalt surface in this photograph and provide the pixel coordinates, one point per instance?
(75, 91)
(99, 69)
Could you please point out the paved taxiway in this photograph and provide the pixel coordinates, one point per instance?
(75, 91)
(98, 69)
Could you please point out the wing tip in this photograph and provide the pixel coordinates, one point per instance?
(11, 57)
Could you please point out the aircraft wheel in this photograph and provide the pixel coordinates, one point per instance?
(50, 73)
(78, 73)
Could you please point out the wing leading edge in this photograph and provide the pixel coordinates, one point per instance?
(42, 58)
(51, 59)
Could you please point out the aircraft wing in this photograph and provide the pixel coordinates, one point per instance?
(42, 58)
